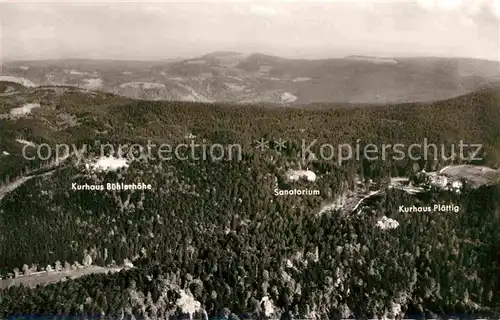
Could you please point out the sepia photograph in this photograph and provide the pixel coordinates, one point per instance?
(249, 159)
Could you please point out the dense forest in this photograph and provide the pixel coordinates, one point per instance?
(215, 231)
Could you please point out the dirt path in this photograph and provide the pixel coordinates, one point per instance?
(18, 182)
(13, 186)
(44, 278)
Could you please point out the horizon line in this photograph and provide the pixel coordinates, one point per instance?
(190, 57)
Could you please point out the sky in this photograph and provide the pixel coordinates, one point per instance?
(297, 29)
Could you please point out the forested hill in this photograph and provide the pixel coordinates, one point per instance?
(71, 115)
(211, 238)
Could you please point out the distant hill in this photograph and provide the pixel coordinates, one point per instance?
(259, 78)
